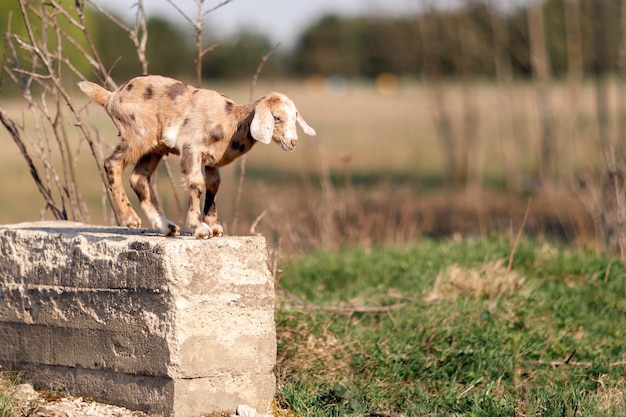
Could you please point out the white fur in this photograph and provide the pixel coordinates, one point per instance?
(170, 134)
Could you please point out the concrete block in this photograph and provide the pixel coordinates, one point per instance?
(172, 326)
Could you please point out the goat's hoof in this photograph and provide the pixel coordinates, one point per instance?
(133, 222)
(203, 231)
(218, 231)
(172, 230)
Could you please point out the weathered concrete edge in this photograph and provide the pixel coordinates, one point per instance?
(75, 376)
(149, 394)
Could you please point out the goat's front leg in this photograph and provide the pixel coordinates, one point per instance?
(212, 184)
(114, 166)
(194, 179)
(140, 183)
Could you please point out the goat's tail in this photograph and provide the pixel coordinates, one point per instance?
(98, 94)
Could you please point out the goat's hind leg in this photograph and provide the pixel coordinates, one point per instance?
(114, 166)
(140, 183)
(212, 183)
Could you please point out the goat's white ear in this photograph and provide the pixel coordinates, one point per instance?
(262, 126)
(305, 127)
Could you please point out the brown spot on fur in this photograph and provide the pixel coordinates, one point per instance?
(217, 133)
(109, 172)
(196, 90)
(175, 90)
(186, 122)
(129, 86)
(147, 95)
(132, 117)
(196, 189)
(229, 107)
(186, 160)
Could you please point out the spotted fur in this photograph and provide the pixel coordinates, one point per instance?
(156, 116)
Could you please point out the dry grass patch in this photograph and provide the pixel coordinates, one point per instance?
(611, 398)
(303, 352)
(491, 280)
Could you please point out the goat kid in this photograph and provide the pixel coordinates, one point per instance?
(157, 116)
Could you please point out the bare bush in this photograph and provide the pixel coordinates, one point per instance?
(38, 63)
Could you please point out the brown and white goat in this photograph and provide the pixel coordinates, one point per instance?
(157, 116)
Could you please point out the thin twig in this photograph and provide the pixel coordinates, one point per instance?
(259, 68)
(198, 28)
(350, 309)
(170, 177)
(242, 160)
(11, 127)
(214, 8)
(256, 221)
(519, 236)
(566, 361)
(556, 364)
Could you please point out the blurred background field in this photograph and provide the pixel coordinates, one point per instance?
(376, 156)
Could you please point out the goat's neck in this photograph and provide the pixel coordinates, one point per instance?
(241, 140)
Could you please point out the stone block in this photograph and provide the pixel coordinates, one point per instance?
(173, 326)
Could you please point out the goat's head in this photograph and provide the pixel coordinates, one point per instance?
(275, 118)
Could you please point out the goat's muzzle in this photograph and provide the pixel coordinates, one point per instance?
(288, 145)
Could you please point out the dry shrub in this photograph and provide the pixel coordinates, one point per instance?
(490, 280)
(307, 218)
(304, 217)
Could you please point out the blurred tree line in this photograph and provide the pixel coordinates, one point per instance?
(460, 40)
(457, 41)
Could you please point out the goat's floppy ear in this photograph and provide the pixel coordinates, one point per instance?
(305, 127)
(262, 126)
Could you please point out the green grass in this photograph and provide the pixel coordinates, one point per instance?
(8, 406)
(474, 352)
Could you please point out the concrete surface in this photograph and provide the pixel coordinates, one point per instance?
(171, 326)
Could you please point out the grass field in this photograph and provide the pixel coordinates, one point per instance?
(444, 328)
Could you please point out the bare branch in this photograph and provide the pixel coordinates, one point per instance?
(567, 361)
(210, 48)
(255, 77)
(197, 25)
(349, 309)
(10, 125)
(211, 10)
(183, 14)
(242, 160)
(140, 44)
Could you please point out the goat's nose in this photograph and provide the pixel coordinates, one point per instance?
(293, 142)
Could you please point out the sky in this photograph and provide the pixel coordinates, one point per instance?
(281, 20)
